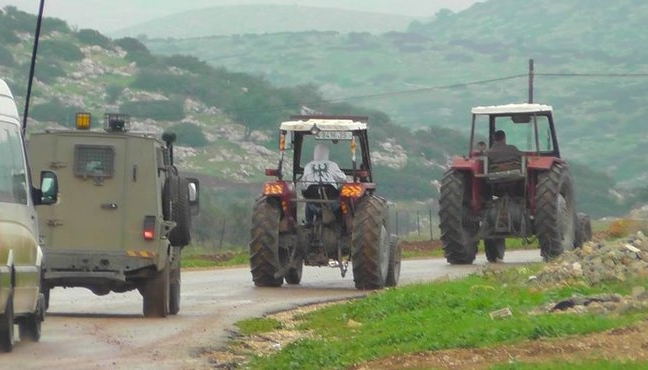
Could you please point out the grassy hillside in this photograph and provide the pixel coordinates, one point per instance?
(586, 58)
(226, 121)
(262, 19)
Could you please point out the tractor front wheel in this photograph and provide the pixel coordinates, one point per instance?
(494, 249)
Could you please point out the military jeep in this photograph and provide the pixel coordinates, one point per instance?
(125, 214)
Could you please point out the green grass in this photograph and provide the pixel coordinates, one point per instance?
(258, 326)
(199, 257)
(435, 316)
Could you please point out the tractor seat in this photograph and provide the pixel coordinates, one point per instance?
(505, 171)
(321, 191)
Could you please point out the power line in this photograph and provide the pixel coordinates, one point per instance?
(445, 87)
(425, 89)
(592, 74)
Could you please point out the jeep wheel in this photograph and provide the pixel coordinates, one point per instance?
(395, 255)
(370, 244)
(458, 227)
(265, 261)
(176, 197)
(174, 290)
(555, 216)
(7, 326)
(494, 249)
(156, 294)
(29, 327)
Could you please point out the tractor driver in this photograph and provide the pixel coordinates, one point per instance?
(500, 151)
(321, 172)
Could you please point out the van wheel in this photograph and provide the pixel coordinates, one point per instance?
(29, 327)
(176, 197)
(156, 294)
(6, 327)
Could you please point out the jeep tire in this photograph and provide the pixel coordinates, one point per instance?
(156, 293)
(177, 208)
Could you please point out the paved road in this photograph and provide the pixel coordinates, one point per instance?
(84, 331)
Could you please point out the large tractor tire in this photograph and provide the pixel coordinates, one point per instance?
(458, 226)
(583, 228)
(7, 327)
(176, 197)
(555, 215)
(265, 261)
(156, 293)
(494, 249)
(395, 255)
(29, 327)
(370, 244)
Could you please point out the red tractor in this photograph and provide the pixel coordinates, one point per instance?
(487, 196)
(350, 222)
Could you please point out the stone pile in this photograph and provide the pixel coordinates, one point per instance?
(596, 262)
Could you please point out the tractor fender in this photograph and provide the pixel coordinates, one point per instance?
(541, 163)
(284, 191)
(474, 165)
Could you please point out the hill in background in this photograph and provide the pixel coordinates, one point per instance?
(587, 61)
(262, 19)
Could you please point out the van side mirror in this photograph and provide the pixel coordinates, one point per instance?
(194, 195)
(48, 188)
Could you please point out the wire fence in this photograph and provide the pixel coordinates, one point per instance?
(419, 224)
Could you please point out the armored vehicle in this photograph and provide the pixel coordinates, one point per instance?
(525, 190)
(124, 216)
(350, 221)
(21, 256)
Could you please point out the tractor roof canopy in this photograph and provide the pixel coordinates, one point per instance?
(513, 109)
(323, 124)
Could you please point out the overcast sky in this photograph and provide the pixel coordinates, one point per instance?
(110, 15)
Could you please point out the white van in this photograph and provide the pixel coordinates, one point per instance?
(21, 300)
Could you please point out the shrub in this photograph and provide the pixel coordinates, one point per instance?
(59, 50)
(189, 134)
(92, 37)
(160, 110)
(54, 111)
(6, 59)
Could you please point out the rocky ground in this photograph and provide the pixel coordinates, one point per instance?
(622, 260)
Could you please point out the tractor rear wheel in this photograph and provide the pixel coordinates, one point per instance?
(370, 243)
(265, 261)
(494, 249)
(584, 227)
(395, 255)
(555, 215)
(458, 226)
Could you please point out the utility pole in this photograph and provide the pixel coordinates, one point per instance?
(32, 65)
(530, 80)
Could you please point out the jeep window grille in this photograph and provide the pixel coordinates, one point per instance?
(94, 160)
